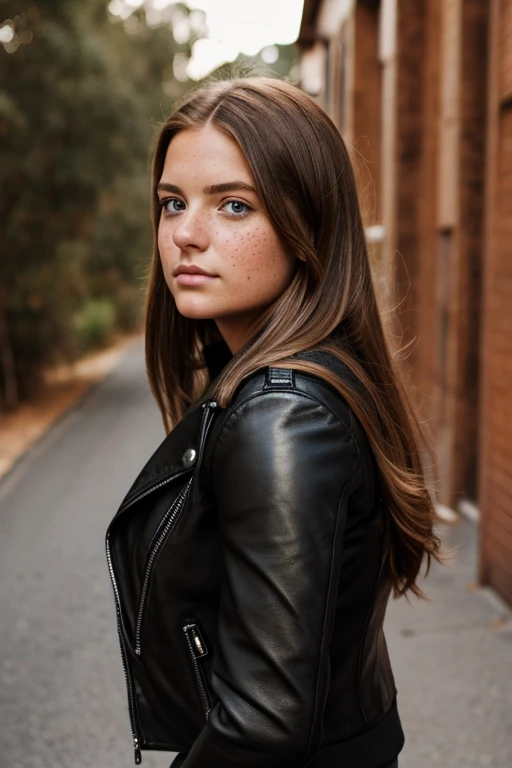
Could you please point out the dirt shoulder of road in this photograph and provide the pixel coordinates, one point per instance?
(63, 388)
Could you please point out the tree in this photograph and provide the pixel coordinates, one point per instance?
(77, 104)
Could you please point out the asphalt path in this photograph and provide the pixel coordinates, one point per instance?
(62, 691)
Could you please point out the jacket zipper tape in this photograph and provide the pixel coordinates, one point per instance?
(208, 413)
(127, 676)
(171, 518)
(197, 649)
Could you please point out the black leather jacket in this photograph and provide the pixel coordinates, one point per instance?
(250, 578)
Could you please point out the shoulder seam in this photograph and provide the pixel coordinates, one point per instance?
(292, 389)
(305, 395)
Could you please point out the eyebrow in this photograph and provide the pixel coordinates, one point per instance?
(214, 189)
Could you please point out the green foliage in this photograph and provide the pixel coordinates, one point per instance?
(79, 97)
(129, 308)
(94, 323)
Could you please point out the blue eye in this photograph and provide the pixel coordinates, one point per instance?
(172, 205)
(237, 207)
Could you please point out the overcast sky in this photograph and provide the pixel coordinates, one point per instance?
(236, 26)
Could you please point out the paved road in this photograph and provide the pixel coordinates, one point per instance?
(62, 696)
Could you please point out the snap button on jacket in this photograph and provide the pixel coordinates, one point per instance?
(188, 457)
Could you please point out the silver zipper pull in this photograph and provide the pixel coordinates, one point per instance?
(198, 646)
(136, 748)
(197, 643)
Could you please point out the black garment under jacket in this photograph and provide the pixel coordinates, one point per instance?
(250, 579)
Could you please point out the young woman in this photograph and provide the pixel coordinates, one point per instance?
(253, 558)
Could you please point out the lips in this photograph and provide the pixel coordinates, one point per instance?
(191, 269)
(192, 275)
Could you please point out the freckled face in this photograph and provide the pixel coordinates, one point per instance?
(221, 257)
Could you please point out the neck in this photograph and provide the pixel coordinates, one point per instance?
(237, 332)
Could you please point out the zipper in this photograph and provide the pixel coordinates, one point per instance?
(129, 686)
(168, 523)
(197, 650)
(153, 488)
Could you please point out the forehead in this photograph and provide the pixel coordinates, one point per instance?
(207, 154)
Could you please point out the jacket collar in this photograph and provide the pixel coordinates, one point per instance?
(216, 356)
(167, 461)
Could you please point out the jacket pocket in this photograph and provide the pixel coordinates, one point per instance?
(197, 651)
(164, 530)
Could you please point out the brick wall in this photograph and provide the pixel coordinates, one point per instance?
(496, 459)
(366, 129)
(415, 242)
(441, 109)
(473, 108)
(410, 114)
(432, 112)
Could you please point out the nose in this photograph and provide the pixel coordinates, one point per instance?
(191, 231)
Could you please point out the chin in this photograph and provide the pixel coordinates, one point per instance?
(194, 310)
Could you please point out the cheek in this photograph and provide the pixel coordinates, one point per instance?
(262, 260)
(165, 239)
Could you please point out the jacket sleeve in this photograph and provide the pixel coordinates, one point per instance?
(283, 469)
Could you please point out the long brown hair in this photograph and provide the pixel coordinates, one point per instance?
(304, 177)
